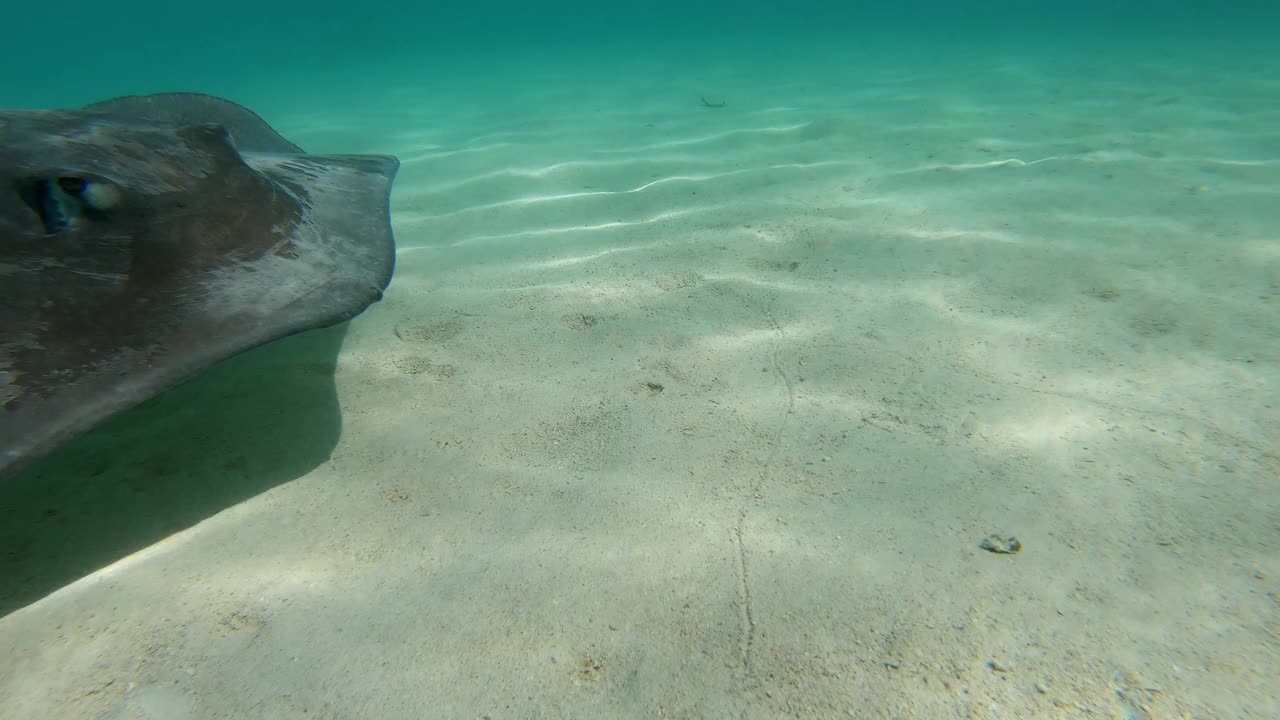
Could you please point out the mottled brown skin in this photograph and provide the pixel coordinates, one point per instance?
(195, 241)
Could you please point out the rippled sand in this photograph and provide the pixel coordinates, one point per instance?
(680, 411)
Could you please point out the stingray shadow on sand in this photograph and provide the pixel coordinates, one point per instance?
(256, 421)
(162, 258)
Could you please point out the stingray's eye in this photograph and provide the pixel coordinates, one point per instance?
(72, 186)
(93, 194)
(63, 200)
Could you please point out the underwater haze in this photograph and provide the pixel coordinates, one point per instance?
(742, 360)
(56, 54)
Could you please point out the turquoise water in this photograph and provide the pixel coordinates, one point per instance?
(686, 411)
(58, 55)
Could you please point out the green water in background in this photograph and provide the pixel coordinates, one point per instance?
(272, 51)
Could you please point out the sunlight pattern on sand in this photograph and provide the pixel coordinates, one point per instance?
(684, 411)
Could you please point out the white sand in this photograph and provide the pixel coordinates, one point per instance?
(681, 412)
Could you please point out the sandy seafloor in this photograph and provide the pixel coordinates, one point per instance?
(690, 412)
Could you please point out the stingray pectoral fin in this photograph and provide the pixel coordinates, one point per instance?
(170, 233)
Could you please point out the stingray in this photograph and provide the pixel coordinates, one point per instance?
(146, 238)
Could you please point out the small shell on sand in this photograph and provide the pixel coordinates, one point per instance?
(998, 544)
